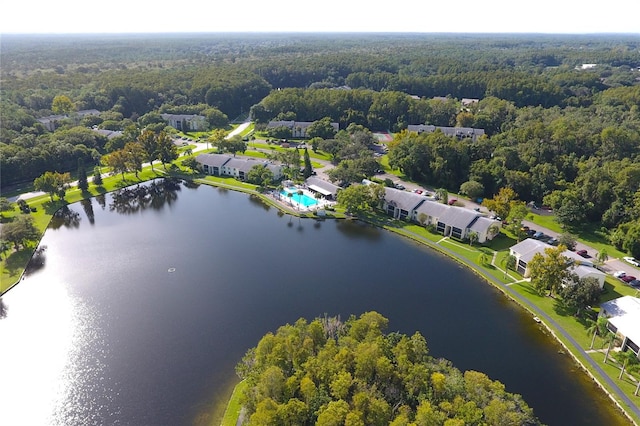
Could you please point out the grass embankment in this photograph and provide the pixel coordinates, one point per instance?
(234, 407)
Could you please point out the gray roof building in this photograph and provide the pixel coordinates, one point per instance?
(451, 221)
(325, 188)
(457, 132)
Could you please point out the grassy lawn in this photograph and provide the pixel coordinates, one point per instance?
(13, 263)
(232, 412)
(589, 234)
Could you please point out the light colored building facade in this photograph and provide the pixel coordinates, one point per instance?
(226, 165)
(623, 315)
(450, 221)
(186, 122)
(457, 132)
(298, 128)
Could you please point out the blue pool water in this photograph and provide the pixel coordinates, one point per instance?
(303, 199)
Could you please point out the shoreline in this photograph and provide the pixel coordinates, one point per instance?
(512, 295)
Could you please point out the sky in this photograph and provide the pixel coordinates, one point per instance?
(422, 16)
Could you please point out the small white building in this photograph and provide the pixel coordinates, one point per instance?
(457, 132)
(526, 249)
(226, 165)
(298, 128)
(186, 122)
(623, 315)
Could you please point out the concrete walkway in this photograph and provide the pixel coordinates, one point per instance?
(625, 404)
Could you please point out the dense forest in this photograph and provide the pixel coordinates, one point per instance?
(561, 114)
(327, 372)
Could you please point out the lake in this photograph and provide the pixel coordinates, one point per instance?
(141, 310)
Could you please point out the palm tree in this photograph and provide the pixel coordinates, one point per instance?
(473, 237)
(609, 338)
(443, 195)
(626, 357)
(290, 195)
(602, 256)
(598, 327)
(508, 262)
(493, 230)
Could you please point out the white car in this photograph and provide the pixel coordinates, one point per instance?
(632, 260)
(619, 274)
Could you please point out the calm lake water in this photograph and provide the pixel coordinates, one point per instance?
(140, 314)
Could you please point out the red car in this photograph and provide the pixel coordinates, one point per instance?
(628, 278)
(582, 253)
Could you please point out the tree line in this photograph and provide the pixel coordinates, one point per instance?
(329, 372)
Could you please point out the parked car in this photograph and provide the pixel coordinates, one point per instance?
(634, 283)
(632, 260)
(553, 241)
(531, 232)
(538, 235)
(452, 201)
(619, 274)
(582, 253)
(399, 186)
(628, 278)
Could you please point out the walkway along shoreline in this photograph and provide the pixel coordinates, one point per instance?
(550, 324)
(546, 320)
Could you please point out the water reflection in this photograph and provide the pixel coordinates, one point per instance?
(65, 217)
(37, 260)
(87, 206)
(101, 200)
(254, 199)
(154, 195)
(357, 229)
(3, 309)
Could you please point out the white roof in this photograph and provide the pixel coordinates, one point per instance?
(320, 190)
(624, 314)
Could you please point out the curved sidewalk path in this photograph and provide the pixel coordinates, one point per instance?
(552, 326)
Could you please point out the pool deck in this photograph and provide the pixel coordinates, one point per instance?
(321, 202)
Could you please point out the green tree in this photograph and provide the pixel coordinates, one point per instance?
(626, 358)
(61, 104)
(509, 262)
(602, 256)
(83, 182)
(167, 151)
(501, 202)
(597, 328)
(148, 140)
(579, 293)
(191, 163)
(97, 176)
(308, 169)
(356, 199)
(442, 195)
(352, 373)
(549, 270)
(6, 205)
(472, 189)
(135, 156)
(118, 162)
(20, 231)
(473, 237)
(568, 240)
(260, 175)
(53, 183)
(321, 129)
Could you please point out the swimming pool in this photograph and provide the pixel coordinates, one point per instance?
(302, 199)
